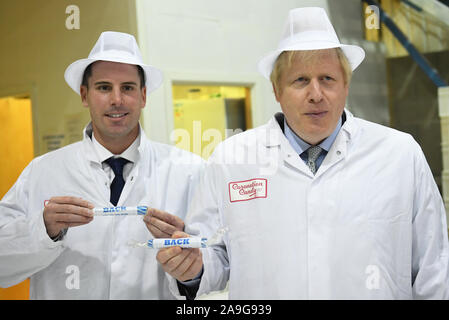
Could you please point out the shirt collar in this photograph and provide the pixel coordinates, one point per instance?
(299, 145)
(130, 154)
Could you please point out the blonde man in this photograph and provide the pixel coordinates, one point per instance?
(348, 210)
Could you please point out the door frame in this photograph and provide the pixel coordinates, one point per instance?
(161, 101)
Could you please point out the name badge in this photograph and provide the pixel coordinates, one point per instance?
(247, 189)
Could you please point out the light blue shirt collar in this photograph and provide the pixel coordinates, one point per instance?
(299, 145)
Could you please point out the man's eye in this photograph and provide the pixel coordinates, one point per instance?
(301, 80)
(128, 88)
(327, 78)
(104, 88)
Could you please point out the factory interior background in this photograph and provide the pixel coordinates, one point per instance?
(208, 52)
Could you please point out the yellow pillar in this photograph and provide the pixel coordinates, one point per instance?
(16, 141)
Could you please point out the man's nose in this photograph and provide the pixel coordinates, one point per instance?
(315, 91)
(116, 97)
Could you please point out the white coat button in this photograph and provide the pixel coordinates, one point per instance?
(338, 153)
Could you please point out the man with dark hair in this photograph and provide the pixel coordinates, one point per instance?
(48, 231)
(88, 73)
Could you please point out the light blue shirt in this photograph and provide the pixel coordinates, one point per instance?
(300, 146)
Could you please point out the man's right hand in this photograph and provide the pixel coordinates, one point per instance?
(162, 224)
(181, 263)
(64, 212)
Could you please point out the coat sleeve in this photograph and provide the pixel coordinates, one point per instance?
(25, 247)
(430, 252)
(203, 219)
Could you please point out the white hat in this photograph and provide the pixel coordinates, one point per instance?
(309, 29)
(116, 47)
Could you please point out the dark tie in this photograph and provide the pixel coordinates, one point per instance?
(117, 184)
(313, 154)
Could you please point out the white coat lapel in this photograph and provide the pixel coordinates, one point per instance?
(273, 137)
(339, 148)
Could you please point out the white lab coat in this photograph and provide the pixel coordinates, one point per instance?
(369, 225)
(93, 261)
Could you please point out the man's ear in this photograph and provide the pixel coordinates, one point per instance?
(347, 89)
(276, 93)
(144, 96)
(83, 94)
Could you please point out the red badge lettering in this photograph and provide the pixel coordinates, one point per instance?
(247, 189)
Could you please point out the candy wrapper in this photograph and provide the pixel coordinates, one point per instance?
(120, 211)
(190, 242)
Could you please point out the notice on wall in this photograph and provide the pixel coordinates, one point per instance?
(52, 142)
(74, 124)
